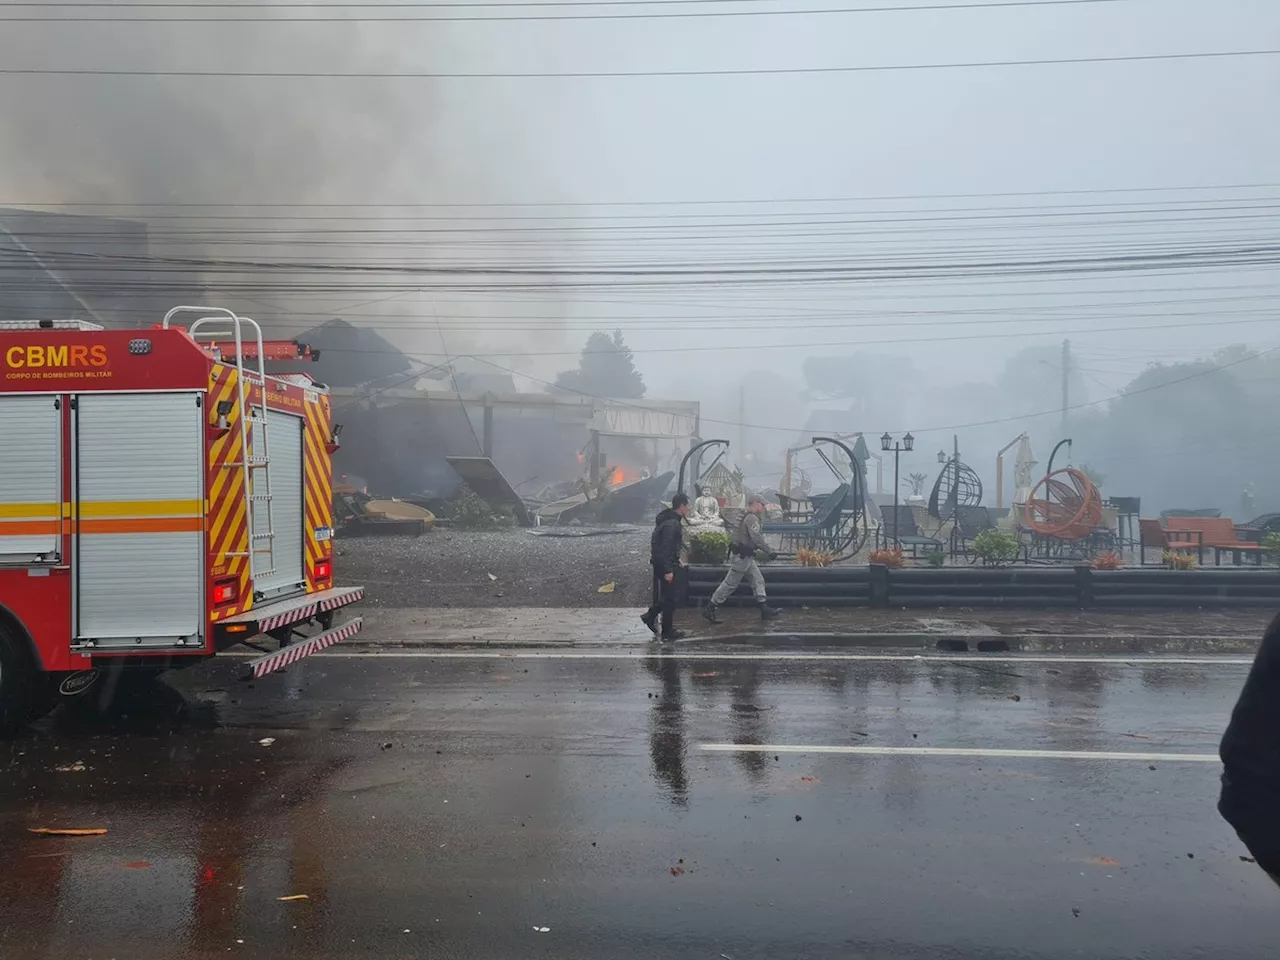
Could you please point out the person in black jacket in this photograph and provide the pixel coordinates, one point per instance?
(664, 554)
(1250, 751)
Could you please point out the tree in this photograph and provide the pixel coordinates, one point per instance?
(606, 369)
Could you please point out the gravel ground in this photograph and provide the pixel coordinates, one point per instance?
(453, 568)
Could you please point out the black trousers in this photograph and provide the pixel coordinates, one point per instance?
(664, 601)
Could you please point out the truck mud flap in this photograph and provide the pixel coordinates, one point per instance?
(303, 648)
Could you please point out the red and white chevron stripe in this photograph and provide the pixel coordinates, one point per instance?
(353, 595)
(304, 648)
(267, 624)
(306, 611)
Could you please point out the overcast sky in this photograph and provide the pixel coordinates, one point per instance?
(912, 135)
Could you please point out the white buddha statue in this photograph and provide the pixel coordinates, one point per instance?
(706, 513)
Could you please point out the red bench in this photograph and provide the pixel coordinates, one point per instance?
(1152, 533)
(1218, 533)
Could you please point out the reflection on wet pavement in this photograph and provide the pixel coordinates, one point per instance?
(468, 801)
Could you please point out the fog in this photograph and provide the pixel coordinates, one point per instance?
(909, 248)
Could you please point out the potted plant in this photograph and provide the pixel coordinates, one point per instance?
(709, 546)
(995, 547)
(888, 557)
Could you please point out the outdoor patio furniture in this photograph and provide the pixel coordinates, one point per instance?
(969, 522)
(1258, 528)
(1219, 534)
(1152, 533)
(822, 530)
(906, 531)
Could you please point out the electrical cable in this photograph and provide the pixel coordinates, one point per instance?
(436, 18)
(619, 74)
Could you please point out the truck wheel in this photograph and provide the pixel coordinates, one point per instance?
(20, 682)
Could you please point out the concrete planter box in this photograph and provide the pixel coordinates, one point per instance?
(1010, 586)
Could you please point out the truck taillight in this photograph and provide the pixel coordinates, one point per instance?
(225, 592)
(324, 569)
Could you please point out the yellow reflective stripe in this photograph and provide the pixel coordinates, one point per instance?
(137, 508)
(15, 511)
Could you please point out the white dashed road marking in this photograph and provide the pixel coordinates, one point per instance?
(993, 754)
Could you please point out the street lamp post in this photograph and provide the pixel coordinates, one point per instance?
(887, 443)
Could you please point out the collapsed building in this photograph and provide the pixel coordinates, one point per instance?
(403, 421)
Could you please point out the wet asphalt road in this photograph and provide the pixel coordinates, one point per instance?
(450, 807)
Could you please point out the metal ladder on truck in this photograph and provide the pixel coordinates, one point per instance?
(254, 462)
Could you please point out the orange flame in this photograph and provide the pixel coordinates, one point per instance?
(617, 477)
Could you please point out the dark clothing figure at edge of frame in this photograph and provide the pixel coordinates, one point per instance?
(746, 540)
(1250, 752)
(665, 553)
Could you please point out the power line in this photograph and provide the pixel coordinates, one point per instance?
(1057, 215)
(940, 429)
(168, 204)
(1152, 208)
(794, 345)
(425, 4)
(808, 270)
(935, 7)
(619, 74)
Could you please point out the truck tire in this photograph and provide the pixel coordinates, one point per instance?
(20, 683)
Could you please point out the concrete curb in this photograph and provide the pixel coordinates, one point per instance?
(948, 642)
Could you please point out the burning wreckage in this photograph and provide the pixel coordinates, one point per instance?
(470, 449)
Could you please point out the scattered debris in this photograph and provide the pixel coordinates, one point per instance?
(68, 831)
(1151, 766)
(386, 745)
(583, 531)
(1014, 697)
(138, 865)
(1105, 861)
(1248, 860)
(1075, 911)
(266, 741)
(293, 897)
(1135, 736)
(797, 818)
(542, 929)
(1191, 856)
(487, 482)
(677, 871)
(399, 510)
(606, 587)
(706, 676)
(809, 780)
(491, 576)
(77, 767)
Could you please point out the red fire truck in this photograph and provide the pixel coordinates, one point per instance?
(162, 498)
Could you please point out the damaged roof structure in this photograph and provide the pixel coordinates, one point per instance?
(401, 427)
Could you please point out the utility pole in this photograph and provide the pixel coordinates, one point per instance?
(742, 422)
(1066, 370)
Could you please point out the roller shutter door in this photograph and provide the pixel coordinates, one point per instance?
(138, 511)
(30, 479)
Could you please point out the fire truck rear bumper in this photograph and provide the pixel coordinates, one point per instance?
(303, 648)
(284, 613)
